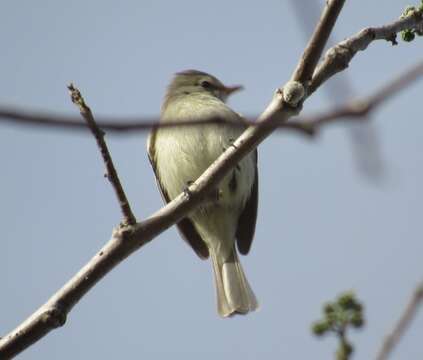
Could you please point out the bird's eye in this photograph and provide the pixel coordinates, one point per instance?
(206, 84)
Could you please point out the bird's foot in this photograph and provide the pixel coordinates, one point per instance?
(231, 143)
(187, 191)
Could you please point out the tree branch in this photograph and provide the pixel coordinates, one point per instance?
(404, 322)
(317, 43)
(358, 109)
(339, 56)
(111, 174)
(112, 125)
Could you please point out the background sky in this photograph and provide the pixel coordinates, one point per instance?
(322, 227)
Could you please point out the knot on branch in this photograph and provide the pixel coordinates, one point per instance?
(293, 93)
(123, 232)
(339, 56)
(54, 317)
(360, 108)
(369, 33)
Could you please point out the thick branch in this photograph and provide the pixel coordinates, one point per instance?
(404, 322)
(54, 312)
(77, 99)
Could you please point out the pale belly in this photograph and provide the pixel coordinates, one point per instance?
(185, 155)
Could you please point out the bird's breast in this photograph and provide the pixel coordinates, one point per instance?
(184, 153)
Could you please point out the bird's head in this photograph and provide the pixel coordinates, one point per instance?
(194, 81)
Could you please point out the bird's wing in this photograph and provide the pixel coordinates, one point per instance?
(247, 220)
(185, 226)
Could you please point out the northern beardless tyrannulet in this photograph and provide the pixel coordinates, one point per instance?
(179, 155)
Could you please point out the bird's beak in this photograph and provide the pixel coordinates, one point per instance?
(229, 90)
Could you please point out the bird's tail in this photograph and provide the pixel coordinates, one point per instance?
(234, 294)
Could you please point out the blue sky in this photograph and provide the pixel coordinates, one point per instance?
(322, 227)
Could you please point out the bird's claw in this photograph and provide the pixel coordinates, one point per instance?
(232, 143)
(187, 191)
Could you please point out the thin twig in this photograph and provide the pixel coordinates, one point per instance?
(358, 109)
(78, 100)
(317, 43)
(364, 138)
(124, 126)
(339, 56)
(402, 325)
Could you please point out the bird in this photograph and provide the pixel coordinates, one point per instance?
(226, 222)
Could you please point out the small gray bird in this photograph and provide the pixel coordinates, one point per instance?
(179, 155)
